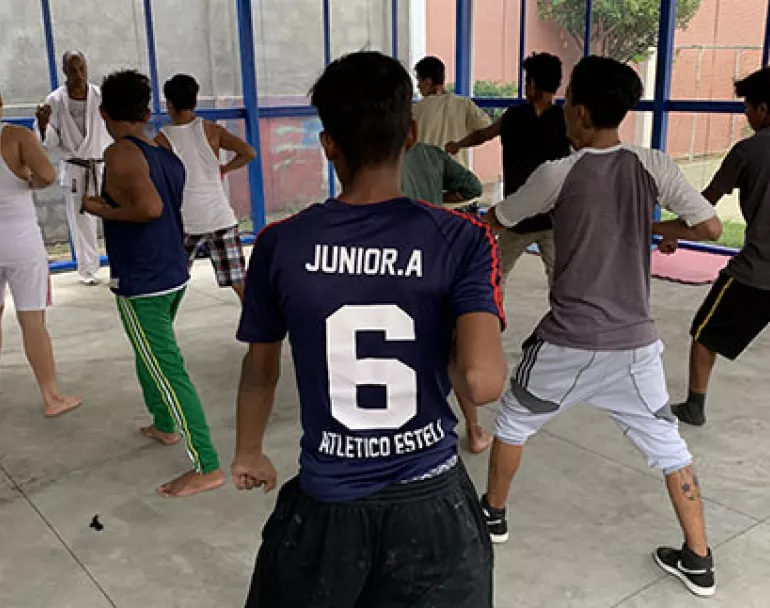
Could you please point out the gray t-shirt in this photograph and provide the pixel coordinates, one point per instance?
(602, 203)
(747, 167)
(428, 172)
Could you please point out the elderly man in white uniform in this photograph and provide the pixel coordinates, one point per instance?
(70, 121)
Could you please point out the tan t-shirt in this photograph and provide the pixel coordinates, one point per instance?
(448, 117)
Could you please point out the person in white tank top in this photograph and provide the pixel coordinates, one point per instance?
(209, 219)
(24, 165)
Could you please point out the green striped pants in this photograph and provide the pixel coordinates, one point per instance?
(169, 393)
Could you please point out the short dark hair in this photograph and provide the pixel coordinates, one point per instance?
(126, 95)
(182, 91)
(755, 88)
(544, 70)
(608, 88)
(365, 103)
(431, 67)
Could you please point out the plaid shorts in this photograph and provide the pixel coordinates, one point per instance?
(226, 254)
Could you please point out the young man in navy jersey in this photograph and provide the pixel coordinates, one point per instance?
(380, 296)
(141, 209)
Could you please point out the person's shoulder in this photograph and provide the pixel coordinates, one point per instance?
(18, 133)
(289, 225)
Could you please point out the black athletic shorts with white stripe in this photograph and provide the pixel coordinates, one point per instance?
(420, 544)
(731, 316)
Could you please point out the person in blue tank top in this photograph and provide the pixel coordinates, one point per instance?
(380, 297)
(140, 206)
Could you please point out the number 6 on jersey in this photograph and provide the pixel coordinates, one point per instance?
(347, 371)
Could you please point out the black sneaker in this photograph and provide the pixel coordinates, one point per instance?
(690, 413)
(696, 572)
(496, 523)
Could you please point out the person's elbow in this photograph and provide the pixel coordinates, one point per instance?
(251, 153)
(486, 384)
(153, 211)
(47, 176)
(710, 230)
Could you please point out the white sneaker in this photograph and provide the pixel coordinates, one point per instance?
(90, 280)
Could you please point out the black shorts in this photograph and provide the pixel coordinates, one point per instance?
(421, 545)
(731, 316)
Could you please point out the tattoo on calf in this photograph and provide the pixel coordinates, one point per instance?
(688, 482)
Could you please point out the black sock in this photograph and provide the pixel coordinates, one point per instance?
(698, 399)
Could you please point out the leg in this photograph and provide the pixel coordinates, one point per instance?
(29, 287)
(37, 346)
(150, 325)
(228, 259)
(83, 230)
(297, 567)
(637, 401)
(730, 318)
(547, 247)
(512, 247)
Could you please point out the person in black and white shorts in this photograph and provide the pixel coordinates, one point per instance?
(209, 220)
(737, 309)
(598, 344)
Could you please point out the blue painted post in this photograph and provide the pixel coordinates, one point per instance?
(522, 45)
(464, 36)
(251, 104)
(50, 48)
(151, 57)
(589, 28)
(665, 60)
(327, 21)
(394, 28)
(766, 47)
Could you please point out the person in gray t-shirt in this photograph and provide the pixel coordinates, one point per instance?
(598, 343)
(738, 307)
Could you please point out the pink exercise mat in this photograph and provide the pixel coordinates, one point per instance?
(689, 267)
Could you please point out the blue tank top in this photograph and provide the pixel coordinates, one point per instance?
(147, 258)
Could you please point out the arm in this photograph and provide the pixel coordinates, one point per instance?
(163, 141)
(697, 219)
(537, 195)
(36, 160)
(256, 394)
(460, 184)
(475, 138)
(127, 179)
(478, 368)
(244, 153)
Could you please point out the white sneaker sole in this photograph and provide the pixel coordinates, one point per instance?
(691, 587)
(499, 539)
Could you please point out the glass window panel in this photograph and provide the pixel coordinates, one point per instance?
(358, 25)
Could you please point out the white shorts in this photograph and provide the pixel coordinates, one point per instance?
(629, 385)
(28, 282)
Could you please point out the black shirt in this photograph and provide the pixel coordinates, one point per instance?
(528, 141)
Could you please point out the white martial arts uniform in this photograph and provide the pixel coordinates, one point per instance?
(63, 132)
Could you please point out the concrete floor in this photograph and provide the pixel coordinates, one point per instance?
(585, 511)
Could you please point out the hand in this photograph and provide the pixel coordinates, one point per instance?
(43, 115)
(667, 246)
(251, 471)
(490, 217)
(453, 197)
(92, 204)
(452, 148)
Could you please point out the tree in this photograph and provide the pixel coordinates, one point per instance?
(622, 29)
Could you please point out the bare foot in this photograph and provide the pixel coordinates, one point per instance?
(479, 438)
(56, 405)
(192, 483)
(163, 438)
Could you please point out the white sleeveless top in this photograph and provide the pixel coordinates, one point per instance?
(205, 207)
(20, 236)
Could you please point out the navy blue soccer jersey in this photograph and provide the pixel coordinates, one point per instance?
(369, 296)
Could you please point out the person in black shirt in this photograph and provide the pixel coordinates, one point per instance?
(531, 134)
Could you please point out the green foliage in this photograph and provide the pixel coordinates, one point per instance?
(491, 88)
(622, 29)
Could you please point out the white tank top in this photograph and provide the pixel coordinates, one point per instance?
(205, 207)
(20, 236)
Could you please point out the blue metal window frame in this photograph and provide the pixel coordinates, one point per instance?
(661, 107)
